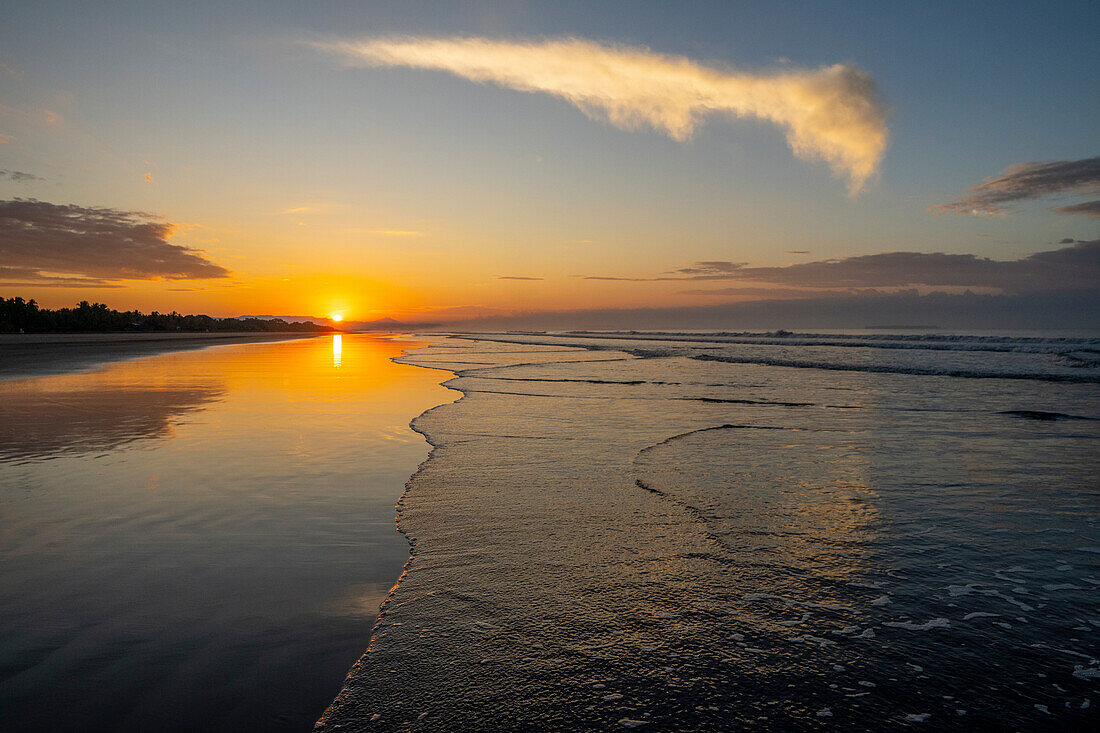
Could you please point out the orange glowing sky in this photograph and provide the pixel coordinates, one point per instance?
(437, 164)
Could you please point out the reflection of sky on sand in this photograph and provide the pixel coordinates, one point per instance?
(201, 527)
(40, 419)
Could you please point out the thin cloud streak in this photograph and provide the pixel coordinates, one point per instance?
(1023, 181)
(20, 176)
(1091, 209)
(67, 245)
(516, 277)
(20, 276)
(781, 293)
(832, 113)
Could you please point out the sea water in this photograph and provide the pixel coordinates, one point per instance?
(720, 531)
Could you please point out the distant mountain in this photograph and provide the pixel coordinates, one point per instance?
(380, 324)
(291, 319)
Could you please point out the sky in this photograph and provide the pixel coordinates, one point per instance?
(433, 161)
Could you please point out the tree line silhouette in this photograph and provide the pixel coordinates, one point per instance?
(25, 316)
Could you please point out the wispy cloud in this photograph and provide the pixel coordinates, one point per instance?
(1022, 181)
(831, 113)
(1071, 268)
(32, 276)
(776, 293)
(20, 176)
(409, 233)
(516, 277)
(67, 245)
(1090, 209)
(11, 71)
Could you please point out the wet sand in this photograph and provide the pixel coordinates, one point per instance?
(39, 354)
(200, 540)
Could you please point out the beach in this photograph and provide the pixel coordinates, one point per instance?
(665, 531)
(678, 367)
(200, 539)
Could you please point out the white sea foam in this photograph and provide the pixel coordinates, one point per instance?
(1086, 673)
(936, 623)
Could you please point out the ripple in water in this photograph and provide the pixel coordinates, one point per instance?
(602, 540)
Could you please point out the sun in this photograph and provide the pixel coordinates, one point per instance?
(337, 317)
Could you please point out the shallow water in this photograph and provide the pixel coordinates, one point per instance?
(201, 540)
(795, 536)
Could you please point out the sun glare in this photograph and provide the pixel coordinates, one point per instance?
(337, 317)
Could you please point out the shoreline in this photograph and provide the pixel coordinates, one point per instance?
(24, 356)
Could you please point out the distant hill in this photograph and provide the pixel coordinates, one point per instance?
(290, 319)
(380, 324)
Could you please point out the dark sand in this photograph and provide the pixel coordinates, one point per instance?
(37, 354)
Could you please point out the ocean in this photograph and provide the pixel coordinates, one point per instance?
(716, 531)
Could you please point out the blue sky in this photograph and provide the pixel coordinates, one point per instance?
(237, 122)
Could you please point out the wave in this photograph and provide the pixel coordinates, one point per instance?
(941, 371)
(1045, 416)
(1067, 345)
(1052, 359)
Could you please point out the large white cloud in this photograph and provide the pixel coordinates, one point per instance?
(832, 113)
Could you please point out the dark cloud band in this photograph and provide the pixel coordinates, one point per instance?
(19, 176)
(67, 245)
(1024, 181)
(1071, 268)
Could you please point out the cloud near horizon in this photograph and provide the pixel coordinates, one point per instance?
(786, 293)
(1023, 181)
(65, 245)
(20, 176)
(1091, 209)
(832, 113)
(1076, 267)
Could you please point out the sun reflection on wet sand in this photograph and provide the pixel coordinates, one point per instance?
(227, 502)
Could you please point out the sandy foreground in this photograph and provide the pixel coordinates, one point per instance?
(37, 354)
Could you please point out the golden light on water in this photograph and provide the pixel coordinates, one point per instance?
(337, 349)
